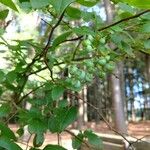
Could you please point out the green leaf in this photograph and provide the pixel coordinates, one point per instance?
(126, 48)
(62, 118)
(61, 38)
(11, 77)
(39, 3)
(73, 12)
(84, 30)
(62, 103)
(38, 140)
(93, 139)
(2, 76)
(61, 5)
(8, 144)
(6, 132)
(57, 92)
(146, 27)
(20, 132)
(2, 31)
(70, 116)
(146, 16)
(77, 141)
(37, 126)
(4, 110)
(139, 3)
(88, 3)
(54, 147)
(9, 3)
(1, 91)
(147, 44)
(4, 14)
(32, 148)
(21, 1)
(126, 8)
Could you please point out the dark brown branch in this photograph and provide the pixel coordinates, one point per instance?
(51, 33)
(74, 39)
(45, 50)
(124, 20)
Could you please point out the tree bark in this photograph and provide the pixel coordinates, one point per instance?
(118, 104)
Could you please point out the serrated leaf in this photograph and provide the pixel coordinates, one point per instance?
(54, 147)
(70, 116)
(4, 14)
(62, 118)
(9, 3)
(61, 5)
(57, 92)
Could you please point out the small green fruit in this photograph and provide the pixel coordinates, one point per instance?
(110, 66)
(107, 57)
(102, 61)
(102, 74)
(86, 42)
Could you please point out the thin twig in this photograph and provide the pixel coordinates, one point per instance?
(45, 50)
(27, 145)
(75, 50)
(58, 138)
(46, 22)
(72, 134)
(124, 20)
(26, 95)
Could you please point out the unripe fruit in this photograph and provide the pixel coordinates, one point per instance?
(86, 43)
(107, 57)
(102, 74)
(102, 61)
(110, 66)
(89, 48)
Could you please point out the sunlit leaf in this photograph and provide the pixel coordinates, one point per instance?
(9, 3)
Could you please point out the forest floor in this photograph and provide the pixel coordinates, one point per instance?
(135, 129)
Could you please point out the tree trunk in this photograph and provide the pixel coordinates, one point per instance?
(80, 119)
(118, 104)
